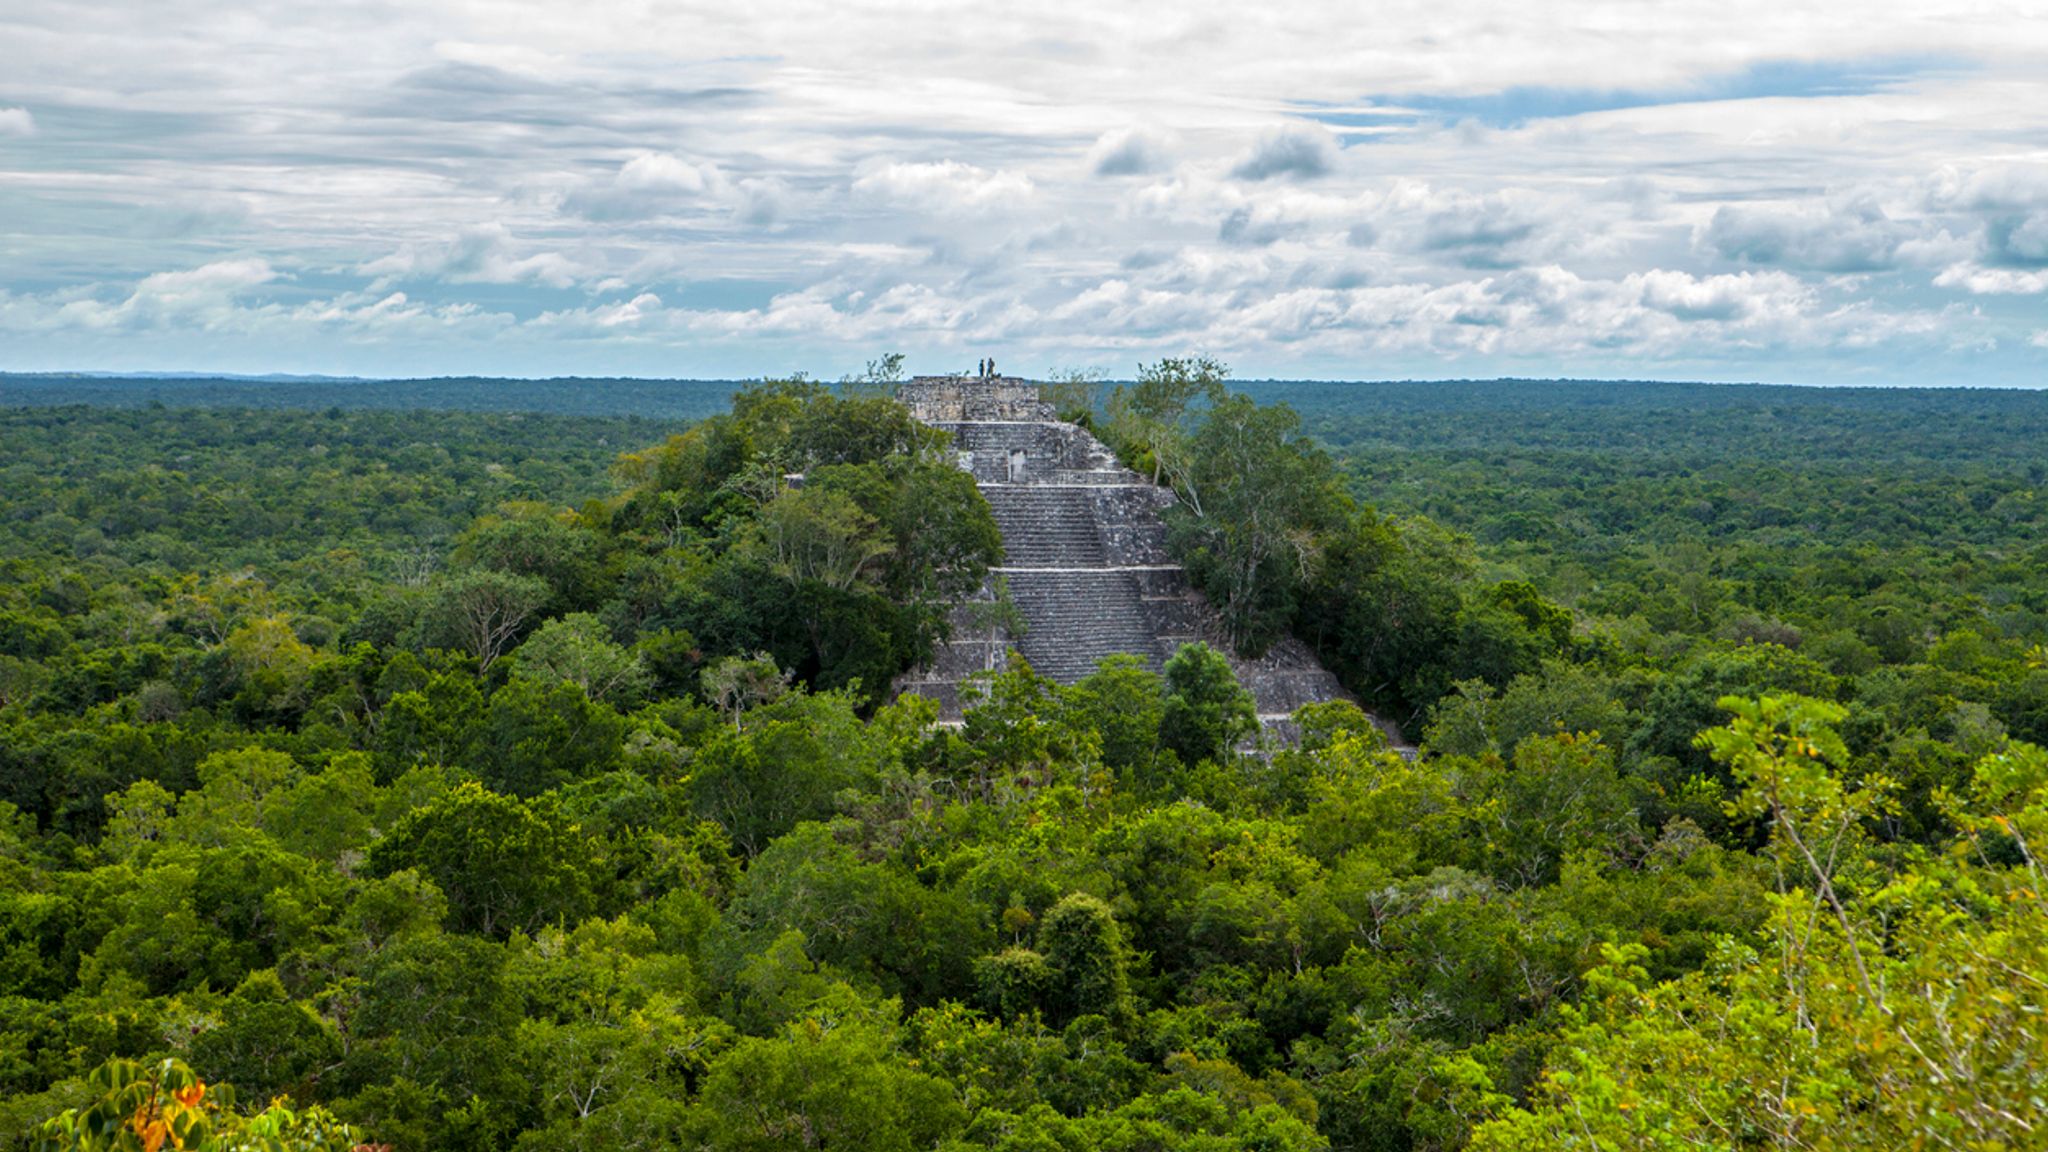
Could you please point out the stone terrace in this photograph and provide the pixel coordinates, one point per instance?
(1086, 563)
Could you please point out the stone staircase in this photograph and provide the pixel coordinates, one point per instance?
(1046, 526)
(1085, 562)
(1080, 616)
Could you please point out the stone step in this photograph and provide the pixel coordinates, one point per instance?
(1006, 452)
(1045, 526)
(1051, 524)
(1079, 616)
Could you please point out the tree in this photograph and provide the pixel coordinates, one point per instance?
(267, 1043)
(539, 736)
(1086, 961)
(1561, 796)
(483, 611)
(868, 919)
(856, 430)
(944, 533)
(440, 723)
(811, 534)
(19, 680)
(1256, 500)
(736, 684)
(1150, 416)
(1889, 1008)
(1473, 719)
(794, 758)
(579, 649)
(1073, 394)
(1124, 702)
(823, 1083)
(272, 666)
(1010, 730)
(431, 1014)
(1383, 609)
(504, 865)
(1207, 713)
(879, 376)
(539, 544)
(608, 1085)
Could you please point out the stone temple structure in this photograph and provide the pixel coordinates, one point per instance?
(1085, 566)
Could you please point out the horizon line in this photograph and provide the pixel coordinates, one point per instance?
(288, 378)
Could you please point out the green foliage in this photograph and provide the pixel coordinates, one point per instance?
(577, 648)
(1473, 718)
(824, 1082)
(1255, 496)
(484, 612)
(168, 1106)
(540, 735)
(1875, 1013)
(505, 865)
(1151, 416)
(1085, 961)
(1124, 703)
(828, 532)
(853, 915)
(788, 765)
(1206, 712)
(658, 874)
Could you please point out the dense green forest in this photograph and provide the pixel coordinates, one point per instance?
(659, 399)
(458, 780)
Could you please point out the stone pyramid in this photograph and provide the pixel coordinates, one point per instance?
(1085, 565)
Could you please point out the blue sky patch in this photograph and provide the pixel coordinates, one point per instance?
(1520, 104)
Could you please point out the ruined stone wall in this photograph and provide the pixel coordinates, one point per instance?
(949, 399)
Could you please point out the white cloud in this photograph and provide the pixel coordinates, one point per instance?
(1981, 281)
(660, 172)
(2039, 339)
(748, 183)
(1297, 152)
(648, 185)
(946, 186)
(1856, 235)
(1229, 303)
(1740, 298)
(206, 297)
(369, 317)
(1993, 186)
(761, 201)
(1129, 152)
(1480, 231)
(479, 254)
(661, 185)
(220, 278)
(220, 297)
(2019, 239)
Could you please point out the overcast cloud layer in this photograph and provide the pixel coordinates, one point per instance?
(1711, 189)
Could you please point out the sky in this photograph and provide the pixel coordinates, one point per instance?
(1782, 191)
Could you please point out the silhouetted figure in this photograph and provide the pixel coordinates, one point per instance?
(991, 367)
